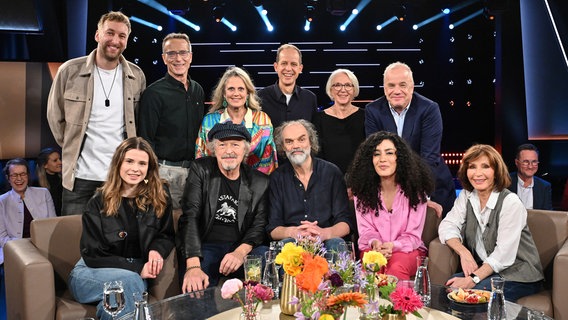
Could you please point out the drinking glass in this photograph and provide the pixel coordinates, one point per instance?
(331, 257)
(270, 274)
(113, 297)
(253, 267)
(422, 280)
(496, 307)
(347, 247)
(535, 315)
(276, 247)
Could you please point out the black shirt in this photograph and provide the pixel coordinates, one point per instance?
(56, 191)
(225, 227)
(169, 117)
(303, 104)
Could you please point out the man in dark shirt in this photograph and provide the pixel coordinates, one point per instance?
(224, 210)
(307, 196)
(284, 100)
(170, 113)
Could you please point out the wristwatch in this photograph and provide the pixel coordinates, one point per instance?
(475, 278)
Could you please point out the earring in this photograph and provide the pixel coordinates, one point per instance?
(247, 102)
(146, 181)
(224, 104)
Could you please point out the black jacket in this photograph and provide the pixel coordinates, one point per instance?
(103, 243)
(199, 203)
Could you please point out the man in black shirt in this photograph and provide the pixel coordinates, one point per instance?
(284, 100)
(224, 210)
(170, 113)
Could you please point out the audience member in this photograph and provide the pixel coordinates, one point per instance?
(285, 100)
(170, 113)
(417, 120)
(307, 196)
(234, 99)
(535, 193)
(224, 210)
(48, 171)
(341, 127)
(127, 228)
(90, 110)
(18, 207)
(390, 184)
(487, 228)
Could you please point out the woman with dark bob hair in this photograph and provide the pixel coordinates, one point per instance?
(487, 228)
(127, 228)
(390, 184)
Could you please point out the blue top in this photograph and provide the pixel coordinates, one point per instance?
(324, 201)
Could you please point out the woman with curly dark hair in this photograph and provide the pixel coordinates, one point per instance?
(390, 184)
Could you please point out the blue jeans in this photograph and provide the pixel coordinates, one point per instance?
(75, 202)
(213, 253)
(87, 284)
(513, 290)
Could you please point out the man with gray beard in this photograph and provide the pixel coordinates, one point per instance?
(224, 208)
(308, 196)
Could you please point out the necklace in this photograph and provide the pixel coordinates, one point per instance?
(107, 100)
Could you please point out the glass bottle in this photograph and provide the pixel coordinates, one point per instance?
(422, 280)
(270, 276)
(496, 307)
(141, 311)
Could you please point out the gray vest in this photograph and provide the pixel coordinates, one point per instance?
(527, 267)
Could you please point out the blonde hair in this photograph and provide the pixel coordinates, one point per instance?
(218, 93)
(150, 194)
(116, 16)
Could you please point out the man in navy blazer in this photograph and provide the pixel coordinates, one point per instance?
(535, 193)
(417, 120)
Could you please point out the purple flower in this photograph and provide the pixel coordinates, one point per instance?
(336, 280)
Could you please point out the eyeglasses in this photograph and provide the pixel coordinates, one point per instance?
(346, 86)
(526, 163)
(18, 175)
(182, 53)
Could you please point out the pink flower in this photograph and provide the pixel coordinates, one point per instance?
(230, 287)
(405, 300)
(263, 292)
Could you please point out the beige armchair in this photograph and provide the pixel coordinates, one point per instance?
(550, 233)
(37, 268)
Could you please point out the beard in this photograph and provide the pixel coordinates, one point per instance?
(298, 159)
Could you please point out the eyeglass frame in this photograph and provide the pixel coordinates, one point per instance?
(173, 54)
(526, 163)
(18, 175)
(341, 86)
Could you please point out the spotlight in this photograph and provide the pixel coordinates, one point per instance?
(310, 10)
(178, 7)
(219, 12)
(488, 14)
(401, 12)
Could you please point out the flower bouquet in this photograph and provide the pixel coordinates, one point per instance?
(255, 293)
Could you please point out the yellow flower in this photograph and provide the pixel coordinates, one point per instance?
(374, 259)
(291, 259)
(326, 316)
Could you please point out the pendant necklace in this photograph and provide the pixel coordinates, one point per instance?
(107, 101)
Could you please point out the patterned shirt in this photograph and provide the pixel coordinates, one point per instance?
(262, 155)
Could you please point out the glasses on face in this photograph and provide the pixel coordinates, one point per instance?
(346, 86)
(527, 163)
(18, 175)
(172, 54)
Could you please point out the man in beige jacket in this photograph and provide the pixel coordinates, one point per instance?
(91, 108)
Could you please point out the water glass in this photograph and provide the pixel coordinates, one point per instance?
(253, 267)
(347, 247)
(141, 311)
(422, 280)
(270, 274)
(496, 307)
(113, 297)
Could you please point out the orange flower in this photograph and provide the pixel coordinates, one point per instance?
(356, 299)
(315, 267)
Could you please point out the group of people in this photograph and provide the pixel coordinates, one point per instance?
(245, 171)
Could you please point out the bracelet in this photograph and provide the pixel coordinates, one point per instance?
(192, 267)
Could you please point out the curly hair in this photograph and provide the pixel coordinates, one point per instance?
(412, 174)
(502, 179)
(151, 193)
(312, 135)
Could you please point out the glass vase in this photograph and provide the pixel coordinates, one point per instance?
(390, 316)
(250, 316)
(370, 311)
(289, 291)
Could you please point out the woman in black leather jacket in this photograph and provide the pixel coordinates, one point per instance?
(127, 228)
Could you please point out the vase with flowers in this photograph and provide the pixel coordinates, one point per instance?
(371, 280)
(255, 293)
(348, 271)
(403, 300)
